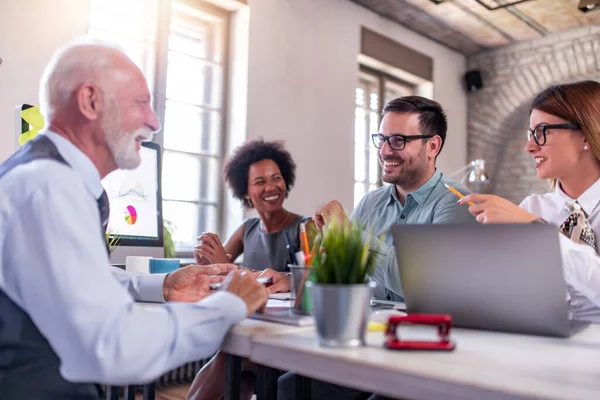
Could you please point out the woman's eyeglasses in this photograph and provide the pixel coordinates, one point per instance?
(539, 132)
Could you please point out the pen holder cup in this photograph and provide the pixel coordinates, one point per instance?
(300, 293)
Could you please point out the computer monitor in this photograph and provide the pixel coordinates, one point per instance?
(136, 207)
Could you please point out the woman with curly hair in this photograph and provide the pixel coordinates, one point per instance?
(261, 175)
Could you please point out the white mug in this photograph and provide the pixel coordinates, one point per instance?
(137, 264)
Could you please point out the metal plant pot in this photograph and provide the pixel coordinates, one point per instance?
(341, 313)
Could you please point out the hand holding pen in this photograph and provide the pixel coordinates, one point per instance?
(490, 209)
(278, 282)
(456, 192)
(245, 286)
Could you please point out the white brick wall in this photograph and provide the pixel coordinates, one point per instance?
(499, 113)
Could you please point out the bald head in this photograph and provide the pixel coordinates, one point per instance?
(102, 63)
(95, 96)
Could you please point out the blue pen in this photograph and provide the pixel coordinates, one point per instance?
(290, 250)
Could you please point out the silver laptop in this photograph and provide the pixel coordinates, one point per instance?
(504, 277)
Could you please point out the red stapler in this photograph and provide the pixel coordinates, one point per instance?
(443, 322)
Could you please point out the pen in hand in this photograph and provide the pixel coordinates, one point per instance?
(457, 193)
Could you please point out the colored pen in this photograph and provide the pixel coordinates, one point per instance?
(290, 249)
(304, 244)
(457, 193)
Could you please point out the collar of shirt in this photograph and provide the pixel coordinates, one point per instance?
(421, 194)
(79, 162)
(588, 199)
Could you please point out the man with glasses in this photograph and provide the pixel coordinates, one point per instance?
(411, 136)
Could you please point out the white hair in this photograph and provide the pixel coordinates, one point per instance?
(80, 61)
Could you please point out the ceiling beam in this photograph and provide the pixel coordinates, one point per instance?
(499, 6)
(527, 20)
(484, 21)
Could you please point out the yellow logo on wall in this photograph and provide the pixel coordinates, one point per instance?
(34, 118)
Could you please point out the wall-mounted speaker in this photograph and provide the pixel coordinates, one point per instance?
(473, 81)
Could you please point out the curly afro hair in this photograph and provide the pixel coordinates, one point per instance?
(238, 165)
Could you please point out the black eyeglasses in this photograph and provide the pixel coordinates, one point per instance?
(539, 132)
(396, 142)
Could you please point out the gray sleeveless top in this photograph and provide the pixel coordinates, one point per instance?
(264, 250)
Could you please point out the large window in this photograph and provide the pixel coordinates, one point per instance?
(372, 87)
(133, 24)
(181, 48)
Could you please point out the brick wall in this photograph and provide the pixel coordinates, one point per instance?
(499, 114)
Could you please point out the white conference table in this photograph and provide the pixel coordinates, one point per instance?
(241, 338)
(484, 365)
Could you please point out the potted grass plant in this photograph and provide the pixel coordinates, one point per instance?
(341, 291)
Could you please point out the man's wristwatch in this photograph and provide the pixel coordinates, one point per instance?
(539, 221)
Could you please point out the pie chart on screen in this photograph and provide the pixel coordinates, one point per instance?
(130, 215)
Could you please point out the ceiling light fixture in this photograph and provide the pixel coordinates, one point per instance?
(588, 5)
(492, 5)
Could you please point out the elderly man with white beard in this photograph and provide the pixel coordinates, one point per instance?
(66, 318)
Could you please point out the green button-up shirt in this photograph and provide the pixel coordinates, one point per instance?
(432, 203)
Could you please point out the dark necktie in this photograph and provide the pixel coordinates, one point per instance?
(577, 228)
(103, 208)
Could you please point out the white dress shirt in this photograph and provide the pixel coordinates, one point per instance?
(54, 265)
(581, 263)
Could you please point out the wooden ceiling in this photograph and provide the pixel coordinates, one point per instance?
(468, 27)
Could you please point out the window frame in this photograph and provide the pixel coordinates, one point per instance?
(158, 87)
(160, 104)
(382, 80)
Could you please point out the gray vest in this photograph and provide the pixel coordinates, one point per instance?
(29, 368)
(264, 250)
